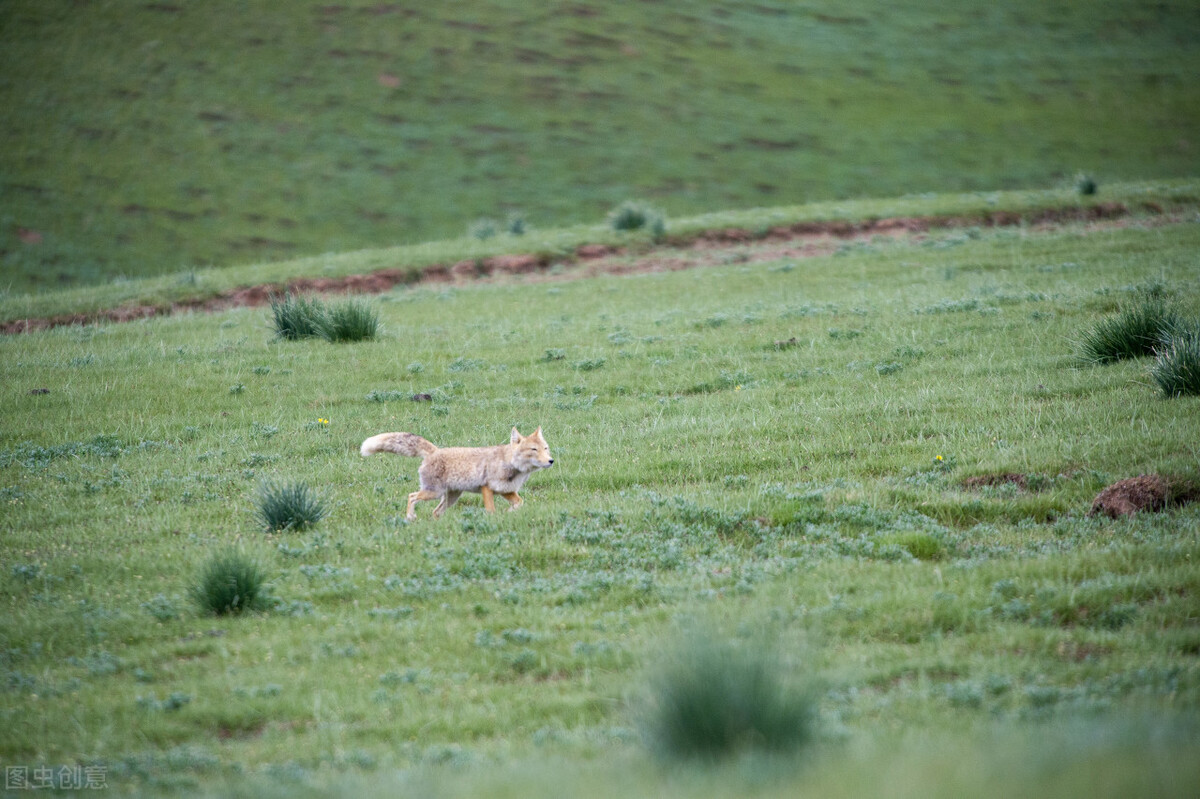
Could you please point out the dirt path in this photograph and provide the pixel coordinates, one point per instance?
(712, 247)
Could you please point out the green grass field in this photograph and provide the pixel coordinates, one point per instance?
(771, 450)
(149, 138)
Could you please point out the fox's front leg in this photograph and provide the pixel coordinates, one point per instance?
(489, 498)
(514, 500)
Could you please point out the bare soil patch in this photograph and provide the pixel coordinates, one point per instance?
(707, 248)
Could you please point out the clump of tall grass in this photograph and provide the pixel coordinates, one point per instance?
(231, 583)
(631, 215)
(289, 506)
(296, 318)
(1176, 367)
(1139, 330)
(349, 321)
(1085, 184)
(715, 699)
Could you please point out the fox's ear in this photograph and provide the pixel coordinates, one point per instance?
(515, 437)
(537, 433)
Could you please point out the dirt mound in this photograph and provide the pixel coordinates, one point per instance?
(1144, 492)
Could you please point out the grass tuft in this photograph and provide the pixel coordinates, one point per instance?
(1176, 368)
(483, 229)
(629, 216)
(921, 545)
(352, 320)
(1137, 331)
(296, 317)
(716, 700)
(290, 506)
(231, 583)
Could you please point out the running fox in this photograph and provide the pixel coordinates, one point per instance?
(446, 473)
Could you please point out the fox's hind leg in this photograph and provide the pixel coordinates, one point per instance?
(419, 496)
(448, 499)
(514, 500)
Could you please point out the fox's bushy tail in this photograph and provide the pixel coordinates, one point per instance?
(408, 444)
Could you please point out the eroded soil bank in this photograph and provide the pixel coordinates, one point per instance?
(800, 240)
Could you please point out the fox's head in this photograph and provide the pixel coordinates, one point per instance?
(532, 452)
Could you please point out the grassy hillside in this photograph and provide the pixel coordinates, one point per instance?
(774, 449)
(557, 247)
(145, 138)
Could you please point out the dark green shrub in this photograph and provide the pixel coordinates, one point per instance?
(290, 506)
(636, 216)
(231, 583)
(1137, 331)
(349, 321)
(1176, 369)
(516, 224)
(718, 699)
(297, 318)
(1085, 185)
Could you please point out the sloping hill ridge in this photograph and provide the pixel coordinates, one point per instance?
(800, 232)
(145, 138)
